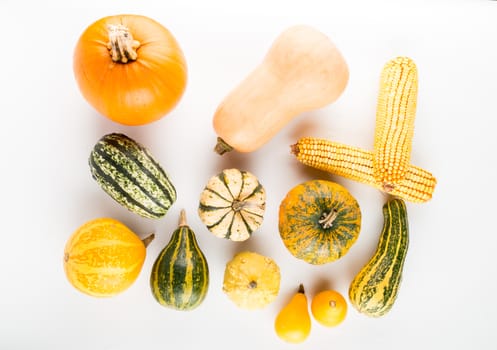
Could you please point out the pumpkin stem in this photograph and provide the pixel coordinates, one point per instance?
(182, 218)
(121, 44)
(252, 284)
(222, 147)
(327, 219)
(301, 289)
(146, 241)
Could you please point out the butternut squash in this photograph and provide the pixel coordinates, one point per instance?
(302, 71)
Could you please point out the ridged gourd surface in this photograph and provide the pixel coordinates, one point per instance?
(180, 274)
(131, 176)
(232, 204)
(375, 288)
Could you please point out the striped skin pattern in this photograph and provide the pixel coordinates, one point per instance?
(374, 289)
(395, 115)
(131, 176)
(180, 274)
(303, 226)
(232, 204)
(103, 257)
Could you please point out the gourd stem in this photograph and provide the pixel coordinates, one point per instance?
(327, 219)
(301, 289)
(182, 218)
(222, 147)
(146, 241)
(121, 44)
(253, 284)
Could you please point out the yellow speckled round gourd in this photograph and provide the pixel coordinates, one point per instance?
(104, 257)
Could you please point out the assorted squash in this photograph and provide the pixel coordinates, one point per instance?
(180, 274)
(376, 286)
(251, 280)
(329, 308)
(302, 71)
(319, 220)
(293, 322)
(103, 257)
(232, 204)
(131, 69)
(128, 173)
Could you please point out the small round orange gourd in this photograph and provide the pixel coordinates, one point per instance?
(130, 68)
(103, 257)
(329, 308)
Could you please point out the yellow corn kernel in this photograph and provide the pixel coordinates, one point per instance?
(357, 164)
(395, 114)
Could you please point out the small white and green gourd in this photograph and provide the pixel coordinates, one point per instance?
(128, 173)
(232, 204)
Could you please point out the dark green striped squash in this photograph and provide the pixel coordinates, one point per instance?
(130, 175)
(180, 274)
(232, 204)
(374, 289)
(319, 221)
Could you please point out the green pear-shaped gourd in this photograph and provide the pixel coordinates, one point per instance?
(180, 274)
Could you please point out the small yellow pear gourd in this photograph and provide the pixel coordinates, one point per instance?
(293, 322)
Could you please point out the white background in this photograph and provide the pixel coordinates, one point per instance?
(447, 298)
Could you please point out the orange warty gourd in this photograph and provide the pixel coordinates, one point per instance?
(103, 257)
(130, 68)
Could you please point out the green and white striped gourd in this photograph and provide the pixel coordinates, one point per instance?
(232, 204)
(375, 288)
(130, 175)
(180, 274)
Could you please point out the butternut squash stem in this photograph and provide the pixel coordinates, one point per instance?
(122, 46)
(222, 147)
(147, 240)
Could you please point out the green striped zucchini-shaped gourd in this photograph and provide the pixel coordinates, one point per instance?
(180, 274)
(374, 289)
(130, 175)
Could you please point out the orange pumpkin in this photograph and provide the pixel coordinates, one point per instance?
(130, 68)
(103, 257)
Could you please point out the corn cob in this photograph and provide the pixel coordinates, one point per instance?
(395, 114)
(357, 164)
